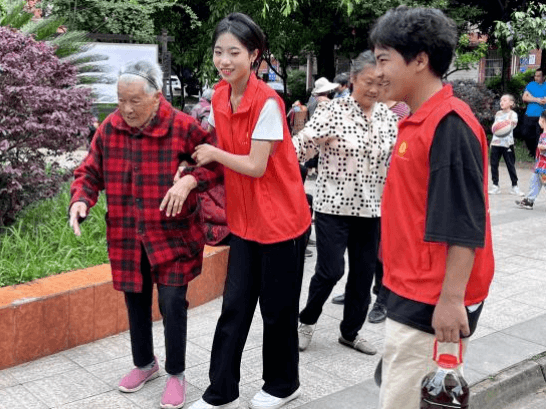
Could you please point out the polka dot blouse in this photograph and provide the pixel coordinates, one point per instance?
(353, 156)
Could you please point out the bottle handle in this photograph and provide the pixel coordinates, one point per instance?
(459, 357)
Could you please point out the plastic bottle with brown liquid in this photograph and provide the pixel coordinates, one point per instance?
(445, 388)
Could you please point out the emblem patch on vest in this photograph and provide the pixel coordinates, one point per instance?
(403, 148)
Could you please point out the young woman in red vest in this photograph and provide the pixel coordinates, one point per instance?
(268, 215)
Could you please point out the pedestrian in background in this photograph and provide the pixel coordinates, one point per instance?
(435, 226)
(502, 144)
(268, 216)
(321, 93)
(535, 96)
(343, 90)
(538, 178)
(201, 110)
(354, 136)
(154, 230)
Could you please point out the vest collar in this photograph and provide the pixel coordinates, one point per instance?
(431, 104)
(248, 95)
(158, 126)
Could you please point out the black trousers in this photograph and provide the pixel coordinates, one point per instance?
(531, 133)
(378, 288)
(271, 274)
(335, 234)
(174, 310)
(509, 158)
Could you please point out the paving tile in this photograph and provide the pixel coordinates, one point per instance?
(353, 368)
(198, 376)
(110, 372)
(42, 368)
(19, 397)
(497, 351)
(68, 387)
(99, 351)
(108, 400)
(195, 355)
(533, 330)
(505, 313)
(7, 380)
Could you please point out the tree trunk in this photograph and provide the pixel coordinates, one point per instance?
(543, 60)
(326, 65)
(506, 52)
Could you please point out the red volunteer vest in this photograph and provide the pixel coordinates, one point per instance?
(415, 269)
(272, 208)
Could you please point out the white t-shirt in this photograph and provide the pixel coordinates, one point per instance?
(269, 126)
(508, 140)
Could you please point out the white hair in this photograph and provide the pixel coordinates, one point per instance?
(143, 70)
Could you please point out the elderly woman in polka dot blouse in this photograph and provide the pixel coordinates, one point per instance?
(354, 136)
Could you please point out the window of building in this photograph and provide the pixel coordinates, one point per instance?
(493, 64)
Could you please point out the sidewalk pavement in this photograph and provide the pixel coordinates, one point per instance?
(511, 330)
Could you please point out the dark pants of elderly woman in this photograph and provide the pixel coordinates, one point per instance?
(335, 234)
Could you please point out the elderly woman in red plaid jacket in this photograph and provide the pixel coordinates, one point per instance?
(154, 229)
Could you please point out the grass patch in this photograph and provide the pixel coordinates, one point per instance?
(41, 243)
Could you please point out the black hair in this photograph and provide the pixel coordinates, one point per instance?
(246, 31)
(539, 69)
(543, 114)
(411, 31)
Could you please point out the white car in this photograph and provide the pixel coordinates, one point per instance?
(176, 86)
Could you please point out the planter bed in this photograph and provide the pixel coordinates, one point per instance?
(62, 311)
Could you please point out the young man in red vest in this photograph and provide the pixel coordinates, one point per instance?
(435, 226)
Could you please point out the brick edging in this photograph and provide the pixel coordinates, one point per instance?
(62, 311)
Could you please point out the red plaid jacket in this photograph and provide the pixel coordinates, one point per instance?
(136, 169)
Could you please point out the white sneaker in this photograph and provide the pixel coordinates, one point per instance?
(495, 190)
(263, 400)
(515, 191)
(305, 333)
(201, 404)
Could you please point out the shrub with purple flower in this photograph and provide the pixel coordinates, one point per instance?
(42, 113)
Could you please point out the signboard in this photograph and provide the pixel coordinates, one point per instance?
(272, 75)
(106, 59)
(532, 59)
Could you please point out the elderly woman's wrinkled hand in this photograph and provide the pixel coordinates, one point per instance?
(78, 211)
(174, 200)
(204, 154)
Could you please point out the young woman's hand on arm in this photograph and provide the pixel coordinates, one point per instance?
(253, 164)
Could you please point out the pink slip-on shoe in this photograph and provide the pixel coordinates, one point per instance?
(136, 379)
(174, 394)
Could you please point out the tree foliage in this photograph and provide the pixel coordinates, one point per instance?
(525, 30)
(41, 113)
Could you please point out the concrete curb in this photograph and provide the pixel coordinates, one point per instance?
(510, 384)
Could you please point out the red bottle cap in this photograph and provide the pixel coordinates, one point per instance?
(448, 361)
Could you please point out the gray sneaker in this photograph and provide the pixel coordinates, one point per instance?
(305, 333)
(525, 203)
(360, 344)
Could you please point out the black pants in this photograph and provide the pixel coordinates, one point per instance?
(335, 234)
(174, 309)
(531, 133)
(272, 274)
(378, 288)
(510, 160)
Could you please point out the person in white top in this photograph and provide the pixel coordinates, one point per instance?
(502, 144)
(354, 136)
